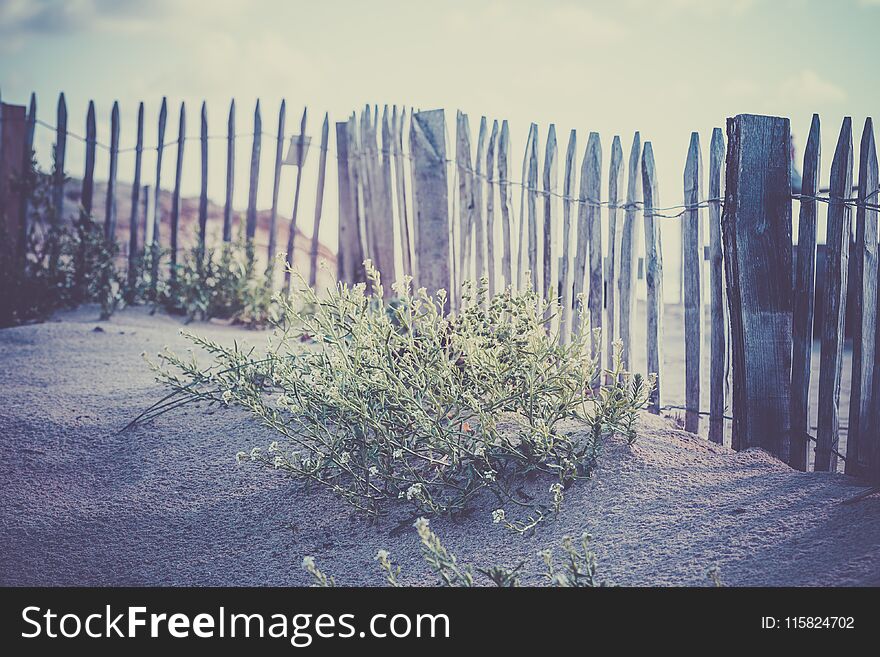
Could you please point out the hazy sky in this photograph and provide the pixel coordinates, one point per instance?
(664, 67)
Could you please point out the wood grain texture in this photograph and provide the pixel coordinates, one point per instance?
(692, 285)
(254, 186)
(569, 238)
(580, 314)
(716, 292)
(615, 192)
(756, 232)
(491, 252)
(550, 180)
(88, 182)
(837, 243)
(27, 159)
(110, 201)
(276, 186)
(60, 152)
(504, 204)
(653, 274)
(864, 306)
(803, 302)
(319, 200)
(388, 236)
(431, 193)
(175, 196)
(521, 245)
(134, 252)
(628, 242)
(230, 173)
(593, 171)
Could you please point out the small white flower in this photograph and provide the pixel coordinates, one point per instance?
(241, 456)
(284, 400)
(489, 475)
(498, 516)
(308, 562)
(273, 447)
(226, 396)
(255, 453)
(479, 452)
(421, 525)
(374, 471)
(382, 555)
(414, 491)
(278, 462)
(345, 458)
(398, 453)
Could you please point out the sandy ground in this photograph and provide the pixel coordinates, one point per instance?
(165, 503)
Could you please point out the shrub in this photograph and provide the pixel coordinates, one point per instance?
(220, 283)
(381, 401)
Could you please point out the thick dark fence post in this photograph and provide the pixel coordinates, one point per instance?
(756, 226)
(431, 194)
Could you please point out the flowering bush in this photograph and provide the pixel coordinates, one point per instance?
(394, 400)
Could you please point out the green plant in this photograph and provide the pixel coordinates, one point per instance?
(220, 283)
(394, 400)
(578, 569)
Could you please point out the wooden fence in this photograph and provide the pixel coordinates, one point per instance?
(416, 200)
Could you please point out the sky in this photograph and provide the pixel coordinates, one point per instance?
(663, 67)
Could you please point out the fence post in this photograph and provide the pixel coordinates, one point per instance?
(350, 255)
(490, 207)
(135, 205)
(432, 209)
(88, 182)
(397, 121)
(276, 185)
(653, 274)
(155, 235)
(592, 170)
(716, 280)
(504, 199)
(319, 201)
(628, 239)
(615, 187)
(110, 206)
(756, 226)
(175, 197)
(203, 190)
(251, 217)
(60, 150)
(230, 173)
(839, 231)
(692, 263)
(865, 303)
(568, 238)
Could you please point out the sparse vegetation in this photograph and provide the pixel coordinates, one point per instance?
(381, 401)
(578, 568)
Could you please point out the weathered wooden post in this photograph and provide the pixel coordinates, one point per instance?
(276, 185)
(397, 121)
(592, 171)
(60, 151)
(653, 275)
(803, 303)
(88, 182)
(133, 249)
(692, 256)
(615, 187)
(864, 286)
(13, 143)
(350, 256)
(251, 217)
(175, 197)
(568, 239)
(837, 241)
(628, 239)
(230, 173)
(155, 235)
(550, 274)
(203, 191)
(319, 201)
(756, 226)
(432, 209)
(716, 294)
(110, 205)
(504, 199)
(490, 207)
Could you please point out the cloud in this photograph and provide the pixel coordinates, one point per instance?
(705, 8)
(808, 86)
